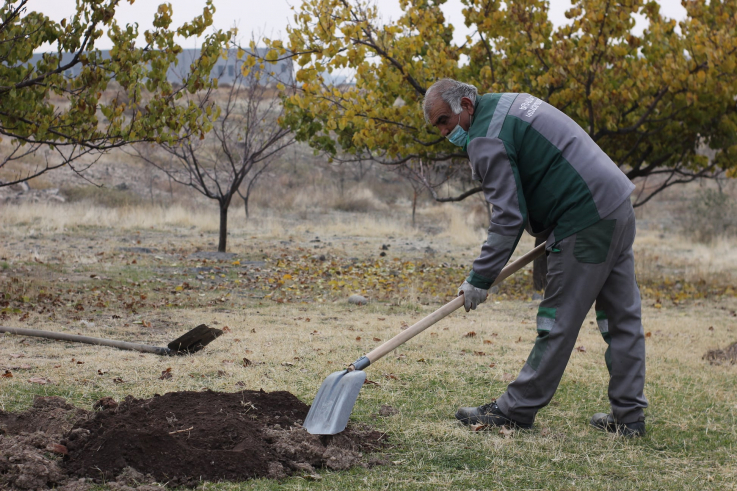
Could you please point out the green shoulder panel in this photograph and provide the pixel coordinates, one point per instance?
(556, 193)
(482, 115)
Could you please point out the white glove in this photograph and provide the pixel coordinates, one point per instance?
(472, 296)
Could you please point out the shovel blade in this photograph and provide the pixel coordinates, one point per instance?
(334, 402)
(194, 340)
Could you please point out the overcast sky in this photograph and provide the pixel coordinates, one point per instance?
(270, 17)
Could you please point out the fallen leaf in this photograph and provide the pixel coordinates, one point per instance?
(17, 355)
(358, 338)
(470, 334)
(57, 448)
(166, 374)
(404, 325)
(7, 374)
(39, 380)
(253, 331)
(370, 382)
(101, 371)
(421, 360)
(433, 334)
(222, 373)
(507, 377)
(247, 362)
(390, 376)
(226, 329)
(487, 341)
(479, 353)
(287, 364)
(492, 365)
(711, 328)
(507, 432)
(478, 427)
(648, 334)
(240, 384)
(581, 349)
(381, 318)
(118, 380)
(376, 340)
(307, 319)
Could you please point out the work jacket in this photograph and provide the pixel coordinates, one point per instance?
(539, 170)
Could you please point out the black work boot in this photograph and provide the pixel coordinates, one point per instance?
(603, 421)
(487, 414)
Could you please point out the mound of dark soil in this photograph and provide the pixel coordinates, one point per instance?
(30, 454)
(179, 438)
(184, 437)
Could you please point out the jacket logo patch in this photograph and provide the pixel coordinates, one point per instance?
(530, 104)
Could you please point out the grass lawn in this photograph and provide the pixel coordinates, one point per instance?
(88, 280)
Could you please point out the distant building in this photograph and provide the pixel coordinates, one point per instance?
(224, 70)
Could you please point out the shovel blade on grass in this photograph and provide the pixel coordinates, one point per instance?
(194, 340)
(334, 402)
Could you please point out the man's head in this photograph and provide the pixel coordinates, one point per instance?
(449, 103)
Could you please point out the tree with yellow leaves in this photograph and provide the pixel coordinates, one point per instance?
(43, 106)
(661, 104)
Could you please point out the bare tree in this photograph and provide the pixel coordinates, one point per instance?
(423, 176)
(245, 139)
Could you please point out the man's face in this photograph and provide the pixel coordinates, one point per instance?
(442, 117)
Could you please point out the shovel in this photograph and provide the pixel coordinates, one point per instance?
(337, 395)
(189, 342)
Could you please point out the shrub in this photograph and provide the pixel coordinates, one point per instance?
(102, 196)
(709, 215)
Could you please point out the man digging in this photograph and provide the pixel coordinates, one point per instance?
(542, 172)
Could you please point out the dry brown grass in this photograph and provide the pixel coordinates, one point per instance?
(295, 346)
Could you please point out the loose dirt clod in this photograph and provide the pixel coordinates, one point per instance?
(180, 438)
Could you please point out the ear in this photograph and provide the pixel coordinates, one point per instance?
(467, 105)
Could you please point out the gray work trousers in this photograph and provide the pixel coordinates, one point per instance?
(594, 265)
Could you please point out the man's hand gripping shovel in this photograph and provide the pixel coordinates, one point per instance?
(338, 393)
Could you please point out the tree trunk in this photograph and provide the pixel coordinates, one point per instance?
(414, 206)
(245, 205)
(223, 227)
(540, 268)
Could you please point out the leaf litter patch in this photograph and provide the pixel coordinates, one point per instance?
(179, 438)
(719, 356)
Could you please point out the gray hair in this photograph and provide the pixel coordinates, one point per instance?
(449, 90)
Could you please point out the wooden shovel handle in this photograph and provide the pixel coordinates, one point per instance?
(85, 339)
(449, 307)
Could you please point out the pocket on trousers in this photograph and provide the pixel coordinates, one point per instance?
(592, 243)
